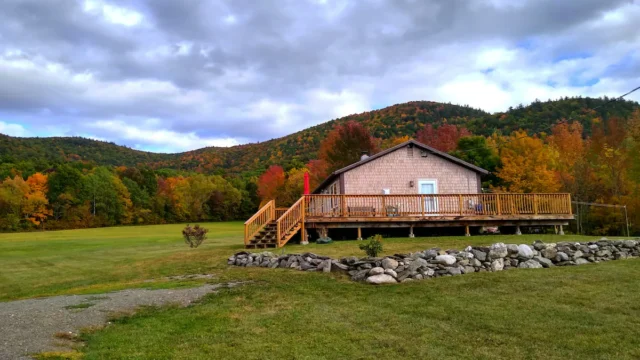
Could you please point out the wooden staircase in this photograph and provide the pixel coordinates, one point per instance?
(265, 230)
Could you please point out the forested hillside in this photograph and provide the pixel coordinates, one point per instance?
(587, 147)
(298, 148)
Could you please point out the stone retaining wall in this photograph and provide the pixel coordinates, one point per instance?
(435, 263)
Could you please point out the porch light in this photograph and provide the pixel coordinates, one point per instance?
(411, 183)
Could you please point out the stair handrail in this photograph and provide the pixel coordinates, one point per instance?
(259, 220)
(290, 219)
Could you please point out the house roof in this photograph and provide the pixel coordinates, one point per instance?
(417, 144)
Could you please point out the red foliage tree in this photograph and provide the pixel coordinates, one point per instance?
(444, 138)
(271, 183)
(317, 172)
(345, 144)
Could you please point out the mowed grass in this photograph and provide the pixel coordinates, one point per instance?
(591, 311)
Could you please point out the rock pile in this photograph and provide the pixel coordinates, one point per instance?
(435, 262)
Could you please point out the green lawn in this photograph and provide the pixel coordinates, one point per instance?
(592, 311)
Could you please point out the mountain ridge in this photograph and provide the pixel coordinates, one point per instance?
(297, 148)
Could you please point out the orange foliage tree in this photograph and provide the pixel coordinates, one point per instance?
(271, 184)
(527, 165)
(35, 207)
(345, 144)
(444, 138)
(567, 141)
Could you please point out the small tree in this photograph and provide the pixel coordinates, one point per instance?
(194, 236)
(372, 247)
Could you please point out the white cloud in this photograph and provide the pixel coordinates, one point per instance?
(114, 14)
(182, 75)
(171, 141)
(13, 129)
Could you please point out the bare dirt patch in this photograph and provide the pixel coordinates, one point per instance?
(34, 326)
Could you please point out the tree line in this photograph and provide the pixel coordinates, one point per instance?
(599, 165)
(74, 195)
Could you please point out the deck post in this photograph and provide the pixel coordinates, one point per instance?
(466, 231)
(498, 204)
(561, 232)
(343, 205)
(303, 232)
(518, 232)
(411, 234)
(460, 196)
(359, 233)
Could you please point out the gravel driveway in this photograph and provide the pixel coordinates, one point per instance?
(29, 326)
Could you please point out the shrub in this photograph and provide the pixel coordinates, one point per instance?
(373, 246)
(194, 236)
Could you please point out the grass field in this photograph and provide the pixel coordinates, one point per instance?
(592, 311)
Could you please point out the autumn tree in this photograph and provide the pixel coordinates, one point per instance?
(345, 144)
(317, 173)
(35, 207)
(13, 193)
(391, 142)
(444, 138)
(567, 141)
(270, 184)
(527, 165)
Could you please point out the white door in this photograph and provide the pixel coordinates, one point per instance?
(429, 187)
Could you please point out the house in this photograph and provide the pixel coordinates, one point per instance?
(409, 185)
(407, 168)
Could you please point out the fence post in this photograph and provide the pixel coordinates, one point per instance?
(535, 204)
(498, 204)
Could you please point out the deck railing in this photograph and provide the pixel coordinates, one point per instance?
(292, 217)
(346, 206)
(280, 211)
(265, 215)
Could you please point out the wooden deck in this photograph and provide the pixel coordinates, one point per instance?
(372, 211)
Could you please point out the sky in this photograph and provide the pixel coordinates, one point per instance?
(171, 76)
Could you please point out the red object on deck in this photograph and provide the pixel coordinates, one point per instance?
(306, 184)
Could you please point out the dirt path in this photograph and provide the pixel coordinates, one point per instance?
(29, 326)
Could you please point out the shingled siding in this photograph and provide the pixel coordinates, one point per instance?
(395, 170)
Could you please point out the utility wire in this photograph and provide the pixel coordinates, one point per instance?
(552, 125)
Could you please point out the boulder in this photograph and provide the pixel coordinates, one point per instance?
(581, 261)
(416, 264)
(428, 272)
(469, 269)
(445, 259)
(391, 272)
(512, 248)
(389, 263)
(479, 254)
(524, 251)
(530, 264)
(543, 261)
(475, 262)
(578, 254)
(454, 271)
(498, 250)
(549, 253)
(538, 245)
(430, 254)
(629, 244)
(497, 265)
(376, 271)
(560, 257)
(381, 279)
(360, 275)
(418, 276)
(336, 266)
